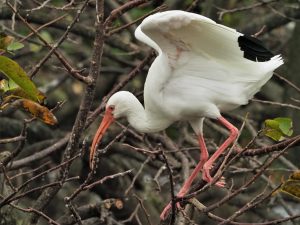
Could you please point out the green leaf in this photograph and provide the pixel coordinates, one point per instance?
(5, 41)
(35, 47)
(7, 85)
(14, 72)
(12, 95)
(285, 125)
(273, 124)
(278, 128)
(47, 36)
(14, 46)
(274, 134)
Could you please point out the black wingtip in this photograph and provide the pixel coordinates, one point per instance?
(254, 49)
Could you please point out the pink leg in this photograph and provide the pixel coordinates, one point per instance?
(233, 135)
(186, 186)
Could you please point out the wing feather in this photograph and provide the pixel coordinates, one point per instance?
(188, 31)
(202, 61)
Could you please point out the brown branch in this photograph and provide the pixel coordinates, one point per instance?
(157, 175)
(107, 147)
(252, 203)
(40, 188)
(85, 212)
(276, 104)
(271, 21)
(7, 178)
(131, 75)
(121, 10)
(74, 212)
(142, 150)
(250, 181)
(244, 8)
(136, 175)
(192, 5)
(8, 198)
(41, 154)
(132, 215)
(272, 148)
(144, 209)
(53, 49)
(279, 221)
(93, 171)
(35, 170)
(79, 29)
(101, 181)
(201, 187)
(288, 82)
(202, 208)
(173, 197)
(19, 148)
(10, 140)
(84, 109)
(42, 27)
(118, 29)
(37, 212)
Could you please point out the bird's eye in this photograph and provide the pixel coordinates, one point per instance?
(111, 107)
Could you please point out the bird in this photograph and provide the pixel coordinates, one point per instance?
(202, 68)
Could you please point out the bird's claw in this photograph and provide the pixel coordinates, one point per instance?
(221, 183)
(166, 210)
(207, 177)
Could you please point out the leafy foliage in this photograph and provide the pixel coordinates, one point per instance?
(38, 111)
(8, 43)
(14, 72)
(279, 128)
(18, 89)
(292, 185)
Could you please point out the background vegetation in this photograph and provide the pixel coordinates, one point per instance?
(78, 55)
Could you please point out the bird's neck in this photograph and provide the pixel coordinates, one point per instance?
(144, 120)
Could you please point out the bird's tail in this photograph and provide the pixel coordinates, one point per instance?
(274, 62)
(266, 69)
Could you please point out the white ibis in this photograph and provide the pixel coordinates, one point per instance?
(202, 68)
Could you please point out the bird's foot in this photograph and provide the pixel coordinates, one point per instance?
(207, 177)
(221, 182)
(164, 214)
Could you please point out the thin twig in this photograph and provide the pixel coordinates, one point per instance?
(136, 175)
(287, 81)
(10, 140)
(173, 197)
(244, 8)
(121, 174)
(276, 103)
(148, 217)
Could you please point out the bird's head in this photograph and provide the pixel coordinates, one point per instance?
(117, 106)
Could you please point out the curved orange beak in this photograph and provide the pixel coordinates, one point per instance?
(106, 122)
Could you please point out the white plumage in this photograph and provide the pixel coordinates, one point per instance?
(202, 68)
